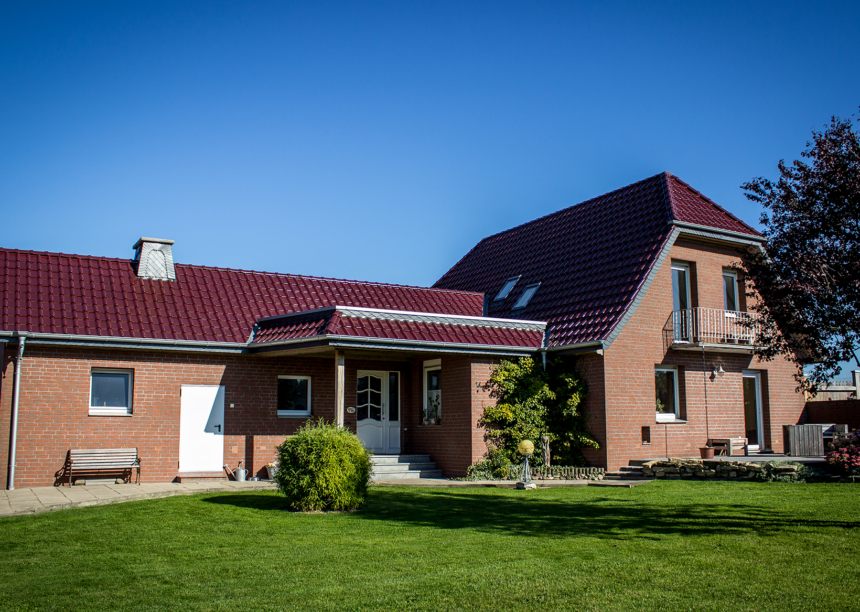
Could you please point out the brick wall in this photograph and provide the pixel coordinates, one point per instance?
(629, 374)
(453, 444)
(836, 411)
(54, 405)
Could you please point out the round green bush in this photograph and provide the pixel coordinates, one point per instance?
(323, 467)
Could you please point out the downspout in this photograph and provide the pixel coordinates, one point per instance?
(16, 390)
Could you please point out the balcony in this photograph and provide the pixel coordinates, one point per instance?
(711, 329)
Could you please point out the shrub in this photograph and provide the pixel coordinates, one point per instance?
(845, 456)
(323, 467)
(496, 466)
(532, 401)
(778, 471)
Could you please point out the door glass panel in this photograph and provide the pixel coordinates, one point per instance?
(680, 289)
(369, 398)
(751, 410)
(729, 292)
(393, 396)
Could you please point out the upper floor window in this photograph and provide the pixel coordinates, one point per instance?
(110, 392)
(680, 286)
(506, 288)
(730, 290)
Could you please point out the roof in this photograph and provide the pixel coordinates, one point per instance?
(57, 293)
(591, 259)
(389, 326)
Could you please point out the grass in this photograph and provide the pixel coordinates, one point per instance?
(661, 546)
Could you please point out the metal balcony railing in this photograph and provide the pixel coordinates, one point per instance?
(710, 326)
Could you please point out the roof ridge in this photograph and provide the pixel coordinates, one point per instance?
(564, 210)
(237, 270)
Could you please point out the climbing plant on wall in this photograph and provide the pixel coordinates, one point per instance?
(532, 401)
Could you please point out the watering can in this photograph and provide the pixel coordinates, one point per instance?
(240, 473)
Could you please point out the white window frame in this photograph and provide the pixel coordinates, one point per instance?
(526, 297)
(686, 269)
(734, 277)
(502, 295)
(677, 412)
(107, 410)
(296, 413)
(431, 365)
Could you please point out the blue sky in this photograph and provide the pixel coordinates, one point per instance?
(381, 141)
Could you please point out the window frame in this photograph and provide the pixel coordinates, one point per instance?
(682, 267)
(115, 410)
(734, 276)
(295, 413)
(502, 294)
(535, 287)
(674, 369)
(431, 365)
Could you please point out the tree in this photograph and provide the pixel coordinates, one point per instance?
(531, 402)
(808, 277)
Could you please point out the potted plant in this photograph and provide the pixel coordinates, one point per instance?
(272, 468)
(433, 411)
(707, 452)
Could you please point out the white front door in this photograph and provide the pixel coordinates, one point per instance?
(378, 411)
(201, 428)
(752, 409)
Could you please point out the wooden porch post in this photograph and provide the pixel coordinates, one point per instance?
(339, 376)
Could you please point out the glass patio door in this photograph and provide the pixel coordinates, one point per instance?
(752, 409)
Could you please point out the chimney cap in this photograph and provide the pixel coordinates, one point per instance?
(157, 240)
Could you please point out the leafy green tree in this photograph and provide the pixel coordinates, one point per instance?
(531, 402)
(809, 275)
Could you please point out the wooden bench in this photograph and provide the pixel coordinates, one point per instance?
(732, 447)
(103, 459)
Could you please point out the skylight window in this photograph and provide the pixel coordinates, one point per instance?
(506, 289)
(528, 292)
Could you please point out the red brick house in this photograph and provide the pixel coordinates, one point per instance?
(198, 367)
(637, 285)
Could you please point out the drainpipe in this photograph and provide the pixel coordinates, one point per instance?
(17, 392)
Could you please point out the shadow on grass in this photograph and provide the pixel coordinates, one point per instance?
(597, 517)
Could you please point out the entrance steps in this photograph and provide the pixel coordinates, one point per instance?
(385, 467)
(627, 472)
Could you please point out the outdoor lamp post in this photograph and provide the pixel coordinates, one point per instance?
(526, 448)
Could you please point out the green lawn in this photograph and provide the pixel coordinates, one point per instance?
(661, 546)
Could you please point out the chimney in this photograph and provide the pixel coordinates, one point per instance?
(154, 259)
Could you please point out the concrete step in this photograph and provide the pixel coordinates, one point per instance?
(626, 473)
(409, 474)
(394, 459)
(390, 468)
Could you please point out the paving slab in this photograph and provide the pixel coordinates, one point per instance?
(49, 499)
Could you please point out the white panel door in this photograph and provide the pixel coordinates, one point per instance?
(201, 429)
(378, 411)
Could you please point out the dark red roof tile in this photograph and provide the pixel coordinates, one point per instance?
(44, 292)
(591, 259)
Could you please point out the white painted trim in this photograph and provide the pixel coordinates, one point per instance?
(674, 370)
(721, 234)
(297, 413)
(107, 410)
(759, 408)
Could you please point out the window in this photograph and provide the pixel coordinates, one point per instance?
(506, 288)
(666, 386)
(528, 292)
(294, 396)
(110, 392)
(680, 286)
(433, 392)
(730, 290)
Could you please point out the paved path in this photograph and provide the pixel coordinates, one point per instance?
(47, 499)
(503, 484)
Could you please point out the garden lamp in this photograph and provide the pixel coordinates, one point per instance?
(526, 449)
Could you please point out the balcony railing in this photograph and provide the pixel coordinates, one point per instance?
(710, 326)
